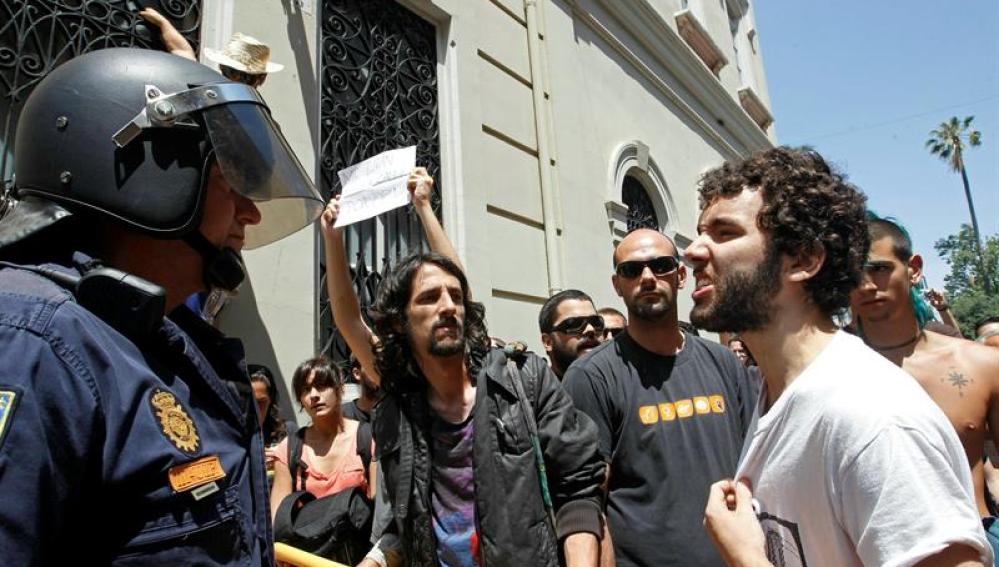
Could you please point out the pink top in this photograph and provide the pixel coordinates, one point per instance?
(348, 473)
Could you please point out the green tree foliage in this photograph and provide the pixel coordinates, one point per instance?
(966, 282)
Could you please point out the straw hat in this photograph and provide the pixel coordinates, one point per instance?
(246, 54)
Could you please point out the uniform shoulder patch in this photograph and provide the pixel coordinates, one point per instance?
(176, 425)
(8, 403)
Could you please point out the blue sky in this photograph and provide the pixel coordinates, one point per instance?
(864, 82)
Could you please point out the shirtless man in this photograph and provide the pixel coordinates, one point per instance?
(961, 376)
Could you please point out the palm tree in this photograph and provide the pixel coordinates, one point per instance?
(948, 142)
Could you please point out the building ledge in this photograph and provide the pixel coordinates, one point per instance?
(698, 39)
(753, 106)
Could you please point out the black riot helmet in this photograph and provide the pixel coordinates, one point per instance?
(129, 135)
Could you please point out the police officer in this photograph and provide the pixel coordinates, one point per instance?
(128, 436)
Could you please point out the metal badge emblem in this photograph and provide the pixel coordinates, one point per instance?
(8, 402)
(176, 425)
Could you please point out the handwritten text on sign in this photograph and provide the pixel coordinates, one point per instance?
(374, 186)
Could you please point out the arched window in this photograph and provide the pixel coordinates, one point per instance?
(637, 195)
(641, 210)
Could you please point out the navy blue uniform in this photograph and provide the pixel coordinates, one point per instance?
(113, 452)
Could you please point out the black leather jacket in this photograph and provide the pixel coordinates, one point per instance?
(511, 516)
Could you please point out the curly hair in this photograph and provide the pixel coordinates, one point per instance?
(807, 205)
(394, 352)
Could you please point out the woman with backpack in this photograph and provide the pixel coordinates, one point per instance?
(317, 465)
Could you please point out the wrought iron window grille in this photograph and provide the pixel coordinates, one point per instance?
(641, 210)
(378, 91)
(37, 36)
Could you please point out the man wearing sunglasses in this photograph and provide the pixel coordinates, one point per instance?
(570, 327)
(614, 322)
(671, 410)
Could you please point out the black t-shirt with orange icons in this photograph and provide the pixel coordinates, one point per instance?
(670, 426)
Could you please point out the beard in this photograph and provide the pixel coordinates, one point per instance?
(448, 346)
(655, 311)
(564, 355)
(743, 300)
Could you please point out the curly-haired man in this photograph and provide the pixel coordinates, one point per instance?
(848, 461)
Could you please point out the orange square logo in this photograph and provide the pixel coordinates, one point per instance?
(667, 411)
(648, 414)
(684, 408)
(717, 404)
(701, 404)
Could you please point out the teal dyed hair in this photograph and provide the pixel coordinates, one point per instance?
(902, 247)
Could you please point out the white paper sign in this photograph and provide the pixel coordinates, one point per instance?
(374, 186)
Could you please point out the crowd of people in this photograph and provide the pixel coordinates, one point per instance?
(676, 415)
(836, 423)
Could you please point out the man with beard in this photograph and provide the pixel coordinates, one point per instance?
(959, 375)
(848, 461)
(484, 459)
(672, 411)
(570, 327)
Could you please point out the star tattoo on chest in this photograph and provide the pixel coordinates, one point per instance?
(958, 380)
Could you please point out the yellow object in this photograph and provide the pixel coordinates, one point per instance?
(294, 556)
(177, 426)
(195, 473)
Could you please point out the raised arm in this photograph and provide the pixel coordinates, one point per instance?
(421, 186)
(939, 302)
(174, 42)
(344, 305)
(343, 299)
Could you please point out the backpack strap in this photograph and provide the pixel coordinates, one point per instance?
(518, 374)
(295, 465)
(364, 444)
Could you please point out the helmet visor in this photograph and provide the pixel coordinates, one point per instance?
(258, 163)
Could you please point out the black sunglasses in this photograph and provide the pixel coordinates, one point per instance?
(660, 266)
(611, 332)
(576, 325)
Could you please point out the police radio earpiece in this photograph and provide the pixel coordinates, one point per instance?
(133, 306)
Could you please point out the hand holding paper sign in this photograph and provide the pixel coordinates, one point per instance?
(420, 186)
(329, 216)
(374, 186)
(339, 281)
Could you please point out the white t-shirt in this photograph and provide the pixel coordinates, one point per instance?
(855, 465)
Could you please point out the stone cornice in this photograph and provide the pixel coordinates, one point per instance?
(755, 107)
(700, 41)
(670, 52)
